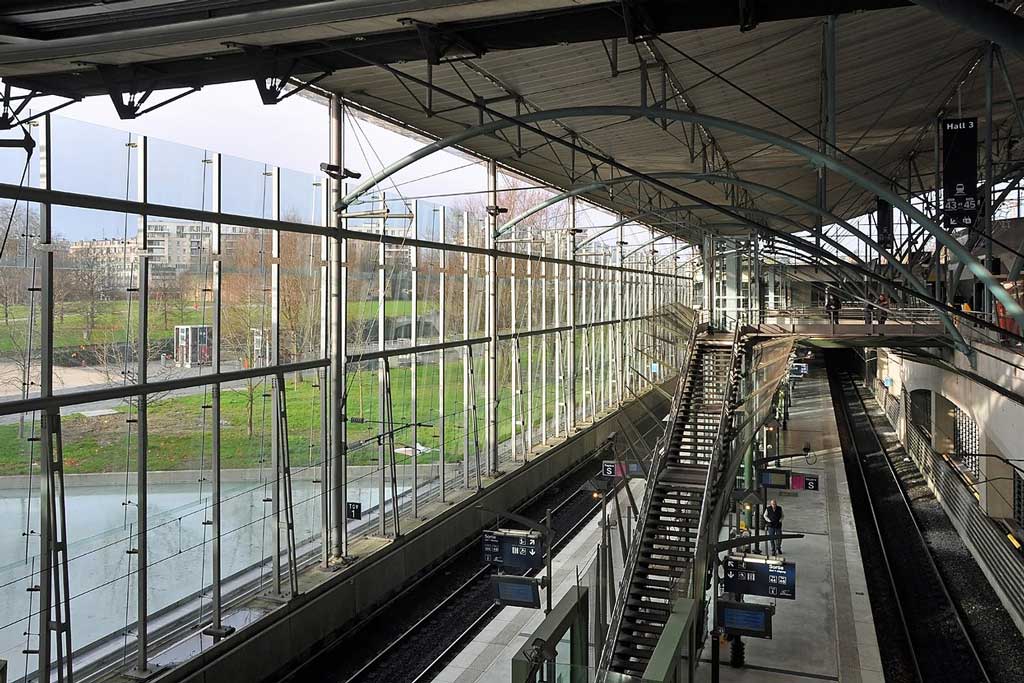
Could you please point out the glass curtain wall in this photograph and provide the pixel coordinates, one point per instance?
(174, 363)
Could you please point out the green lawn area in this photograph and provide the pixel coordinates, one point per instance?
(112, 321)
(180, 439)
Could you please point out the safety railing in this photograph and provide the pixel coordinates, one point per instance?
(959, 497)
(695, 584)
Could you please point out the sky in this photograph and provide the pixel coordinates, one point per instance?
(90, 155)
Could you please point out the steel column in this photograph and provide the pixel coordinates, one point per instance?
(491, 372)
(987, 199)
(142, 434)
(338, 390)
(570, 302)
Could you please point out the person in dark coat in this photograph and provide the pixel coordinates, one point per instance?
(773, 520)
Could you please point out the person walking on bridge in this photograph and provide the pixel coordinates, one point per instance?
(883, 308)
(833, 306)
(773, 518)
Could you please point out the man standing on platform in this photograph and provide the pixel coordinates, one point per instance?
(773, 518)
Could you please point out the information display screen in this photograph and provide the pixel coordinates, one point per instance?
(516, 591)
(745, 619)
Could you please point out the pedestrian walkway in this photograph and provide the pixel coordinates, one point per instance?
(827, 633)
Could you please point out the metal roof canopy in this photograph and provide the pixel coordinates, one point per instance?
(897, 69)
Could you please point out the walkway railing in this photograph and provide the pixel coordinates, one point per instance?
(985, 537)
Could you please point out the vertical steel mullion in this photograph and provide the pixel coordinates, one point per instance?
(620, 297)
(327, 427)
(414, 262)
(381, 370)
(442, 263)
(528, 432)
(338, 270)
(559, 379)
(216, 249)
(467, 355)
(491, 373)
(988, 185)
(544, 347)
(570, 248)
(47, 543)
(515, 361)
(142, 432)
(275, 360)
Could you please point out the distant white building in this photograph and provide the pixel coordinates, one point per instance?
(175, 247)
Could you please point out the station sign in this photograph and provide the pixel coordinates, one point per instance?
(516, 591)
(513, 549)
(960, 172)
(610, 469)
(760, 576)
(745, 618)
(354, 510)
(804, 482)
(774, 478)
(883, 223)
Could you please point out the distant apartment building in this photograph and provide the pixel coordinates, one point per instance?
(175, 248)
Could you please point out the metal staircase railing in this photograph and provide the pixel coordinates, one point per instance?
(660, 449)
(664, 538)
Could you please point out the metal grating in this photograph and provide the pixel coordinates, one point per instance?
(1018, 499)
(965, 442)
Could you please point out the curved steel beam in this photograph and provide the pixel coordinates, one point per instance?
(629, 112)
(513, 222)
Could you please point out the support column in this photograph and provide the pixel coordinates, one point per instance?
(943, 424)
(142, 436)
(216, 628)
(997, 475)
(54, 600)
(276, 428)
(414, 262)
(442, 336)
(620, 325)
(338, 423)
(733, 277)
(491, 373)
(827, 132)
(708, 258)
(570, 302)
(988, 185)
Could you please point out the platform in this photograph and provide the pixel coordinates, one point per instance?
(488, 657)
(827, 633)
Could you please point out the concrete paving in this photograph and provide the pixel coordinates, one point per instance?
(827, 633)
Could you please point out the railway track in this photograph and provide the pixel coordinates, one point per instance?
(413, 635)
(922, 633)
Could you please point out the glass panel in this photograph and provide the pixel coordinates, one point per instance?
(179, 175)
(95, 333)
(78, 149)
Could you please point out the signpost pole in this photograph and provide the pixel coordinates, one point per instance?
(549, 542)
(715, 644)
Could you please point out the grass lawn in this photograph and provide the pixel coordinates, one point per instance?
(180, 437)
(113, 319)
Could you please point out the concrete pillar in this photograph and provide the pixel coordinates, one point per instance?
(997, 477)
(943, 421)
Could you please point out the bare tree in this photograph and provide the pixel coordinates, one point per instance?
(244, 309)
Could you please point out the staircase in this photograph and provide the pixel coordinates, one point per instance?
(659, 566)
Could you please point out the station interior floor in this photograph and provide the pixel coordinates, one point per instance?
(826, 634)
